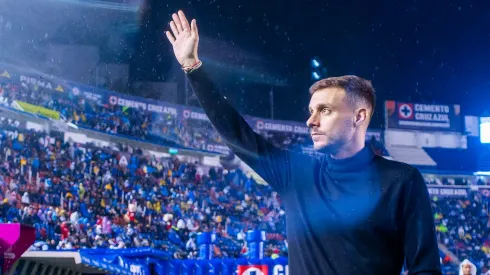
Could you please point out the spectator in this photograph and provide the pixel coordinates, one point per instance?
(467, 268)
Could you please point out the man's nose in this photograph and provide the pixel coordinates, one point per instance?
(312, 121)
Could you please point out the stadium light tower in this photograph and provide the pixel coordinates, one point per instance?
(318, 70)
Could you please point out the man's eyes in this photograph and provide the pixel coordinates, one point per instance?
(322, 111)
(326, 111)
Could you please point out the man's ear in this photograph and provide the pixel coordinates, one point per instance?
(361, 116)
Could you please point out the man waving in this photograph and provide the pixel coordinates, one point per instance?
(347, 212)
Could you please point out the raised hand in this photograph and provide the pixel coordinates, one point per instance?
(184, 39)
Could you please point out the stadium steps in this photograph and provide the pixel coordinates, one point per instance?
(411, 155)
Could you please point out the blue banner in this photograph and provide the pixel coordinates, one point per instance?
(135, 261)
(102, 263)
(145, 261)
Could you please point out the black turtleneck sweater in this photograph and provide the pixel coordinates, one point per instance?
(360, 215)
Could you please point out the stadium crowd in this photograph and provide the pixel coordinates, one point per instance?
(92, 111)
(463, 226)
(83, 196)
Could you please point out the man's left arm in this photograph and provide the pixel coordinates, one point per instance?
(418, 229)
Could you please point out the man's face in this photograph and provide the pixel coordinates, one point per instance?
(331, 119)
(467, 269)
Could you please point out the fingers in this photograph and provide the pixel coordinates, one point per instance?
(177, 23)
(170, 37)
(183, 21)
(194, 26)
(175, 31)
(180, 24)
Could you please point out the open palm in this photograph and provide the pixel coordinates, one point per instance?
(184, 39)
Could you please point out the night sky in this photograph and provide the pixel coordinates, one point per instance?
(423, 51)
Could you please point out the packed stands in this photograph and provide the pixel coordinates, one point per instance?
(162, 123)
(83, 195)
(462, 222)
(79, 197)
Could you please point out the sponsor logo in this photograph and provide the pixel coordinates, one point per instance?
(253, 270)
(405, 111)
